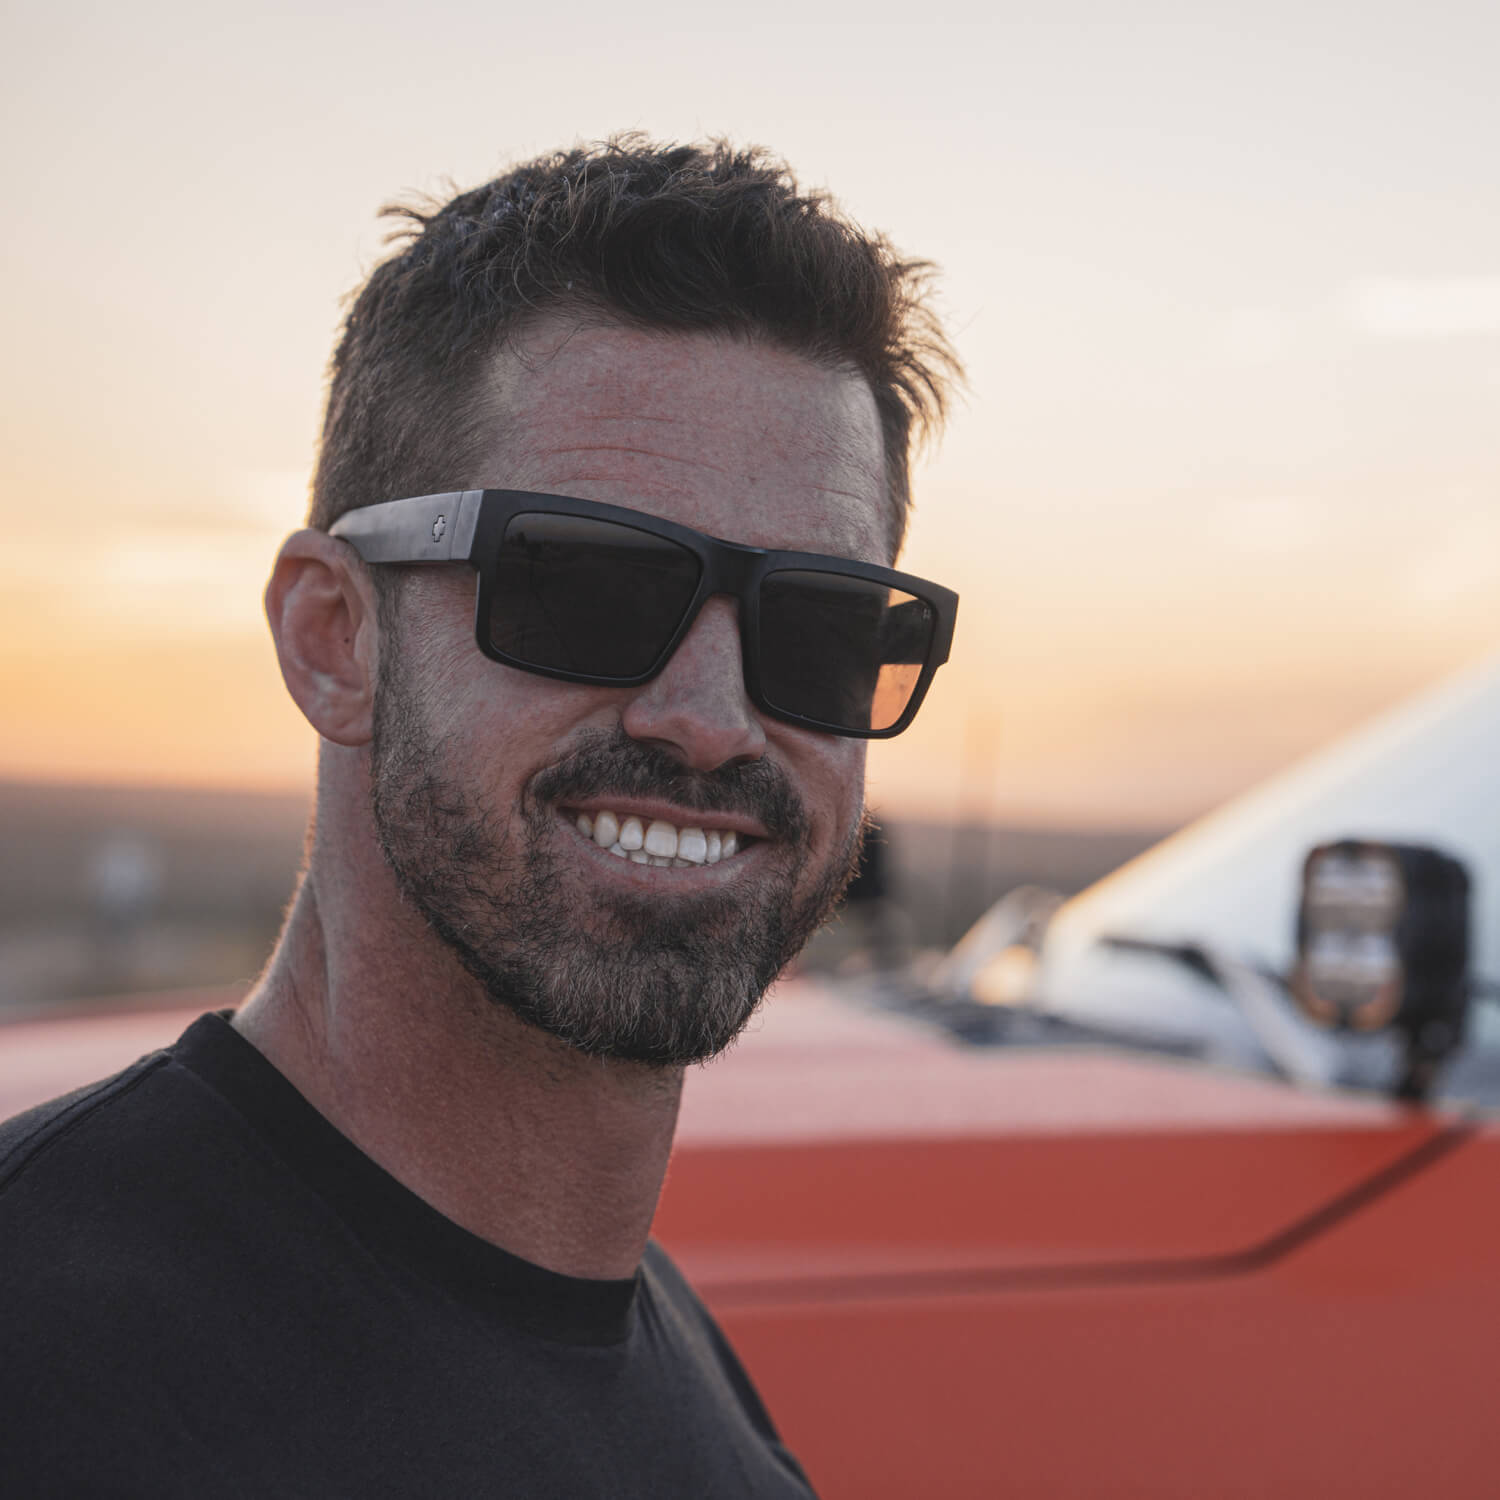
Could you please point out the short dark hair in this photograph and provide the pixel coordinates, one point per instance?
(665, 237)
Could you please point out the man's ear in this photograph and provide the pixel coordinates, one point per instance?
(321, 603)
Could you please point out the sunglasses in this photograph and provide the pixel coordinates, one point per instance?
(594, 593)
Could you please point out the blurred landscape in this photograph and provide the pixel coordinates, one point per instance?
(120, 890)
(108, 892)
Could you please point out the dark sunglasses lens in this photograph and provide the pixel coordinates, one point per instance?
(846, 652)
(576, 594)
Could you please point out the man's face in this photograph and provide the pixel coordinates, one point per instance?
(482, 774)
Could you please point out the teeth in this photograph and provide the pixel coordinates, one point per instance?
(658, 843)
(661, 840)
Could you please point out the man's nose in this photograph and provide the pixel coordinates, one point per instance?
(696, 707)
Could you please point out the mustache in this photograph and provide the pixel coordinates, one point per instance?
(602, 763)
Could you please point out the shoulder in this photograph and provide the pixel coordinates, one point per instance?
(704, 1362)
(27, 1139)
(669, 1291)
(95, 1184)
(115, 1224)
(98, 1214)
(694, 1329)
(91, 1147)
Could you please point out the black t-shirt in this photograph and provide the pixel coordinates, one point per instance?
(207, 1291)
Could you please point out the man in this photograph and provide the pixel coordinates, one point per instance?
(385, 1230)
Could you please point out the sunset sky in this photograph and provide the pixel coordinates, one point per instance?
(1226, 478)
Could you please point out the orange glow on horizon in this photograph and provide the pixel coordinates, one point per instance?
(1223, 481)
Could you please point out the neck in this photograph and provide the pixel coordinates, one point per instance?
(521, 1139)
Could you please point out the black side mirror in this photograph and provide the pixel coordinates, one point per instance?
(1383, 941)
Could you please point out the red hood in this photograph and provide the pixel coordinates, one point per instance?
(836, 1145)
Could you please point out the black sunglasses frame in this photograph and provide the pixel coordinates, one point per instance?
(467, 526)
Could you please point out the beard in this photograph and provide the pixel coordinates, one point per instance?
(665, 978)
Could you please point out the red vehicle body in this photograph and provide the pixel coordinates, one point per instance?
(974, 1272)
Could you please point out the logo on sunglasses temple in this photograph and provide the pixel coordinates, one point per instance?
(439, 526)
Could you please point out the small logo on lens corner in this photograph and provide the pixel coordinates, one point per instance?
(439, 526)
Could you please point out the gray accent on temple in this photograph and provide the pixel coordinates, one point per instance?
(426, 528)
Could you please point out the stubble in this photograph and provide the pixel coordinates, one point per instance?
(664, 980)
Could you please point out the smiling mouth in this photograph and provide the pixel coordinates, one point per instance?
(657, 842)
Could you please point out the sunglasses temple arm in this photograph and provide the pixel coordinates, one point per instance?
(425, 529)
